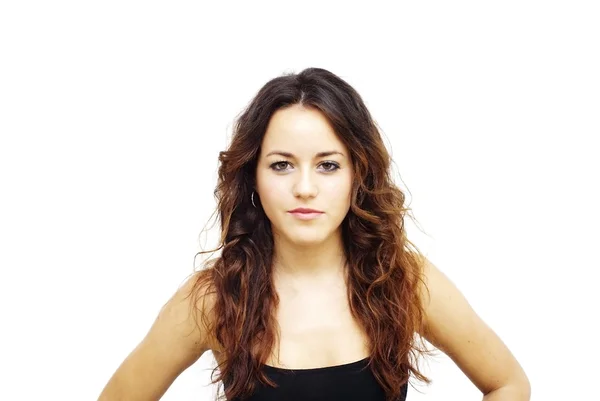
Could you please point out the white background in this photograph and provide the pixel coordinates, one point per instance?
(112, 115)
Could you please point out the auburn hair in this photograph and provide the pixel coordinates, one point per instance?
(384, 267)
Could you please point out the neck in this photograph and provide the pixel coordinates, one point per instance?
(317, 262)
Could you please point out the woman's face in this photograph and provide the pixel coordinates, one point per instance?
(303, 164)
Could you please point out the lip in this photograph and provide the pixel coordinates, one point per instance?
(303, 213)
(306, 216)
(305, 210)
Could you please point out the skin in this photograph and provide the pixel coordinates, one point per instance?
(309, 257)
(456, 329)
(290, 173)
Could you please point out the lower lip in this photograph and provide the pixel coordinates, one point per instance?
(305, 216)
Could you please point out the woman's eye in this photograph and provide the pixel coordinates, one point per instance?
(278, 165)
(283, 165)
(330, 166)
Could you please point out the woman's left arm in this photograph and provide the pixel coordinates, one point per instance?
(452, 326)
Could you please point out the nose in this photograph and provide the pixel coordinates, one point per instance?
(305, 185)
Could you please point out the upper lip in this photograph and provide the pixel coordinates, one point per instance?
(305, 210)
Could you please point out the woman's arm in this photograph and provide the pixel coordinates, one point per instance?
(453, 327)
(172, 344)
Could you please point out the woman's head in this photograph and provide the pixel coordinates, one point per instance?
(303, 164)
(274, 153)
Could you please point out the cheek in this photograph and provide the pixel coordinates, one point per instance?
(339, 190)
(272, 193)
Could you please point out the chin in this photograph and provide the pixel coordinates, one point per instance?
(306, 240)
(304, 243)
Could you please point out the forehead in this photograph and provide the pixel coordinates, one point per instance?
(299, 130)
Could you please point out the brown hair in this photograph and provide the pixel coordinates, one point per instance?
(385, 268)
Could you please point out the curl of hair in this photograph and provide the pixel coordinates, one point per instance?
(384, 267)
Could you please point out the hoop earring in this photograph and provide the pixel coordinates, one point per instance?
(252, 199)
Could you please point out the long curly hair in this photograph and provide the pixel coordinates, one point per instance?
(384, 267)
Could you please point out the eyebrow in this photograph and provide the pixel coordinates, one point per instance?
(320, 154)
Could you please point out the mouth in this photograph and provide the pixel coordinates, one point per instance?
(305, 214)
(305, 210)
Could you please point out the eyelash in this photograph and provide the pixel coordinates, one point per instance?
(335, 165)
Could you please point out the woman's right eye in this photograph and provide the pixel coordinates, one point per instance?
(277, 166)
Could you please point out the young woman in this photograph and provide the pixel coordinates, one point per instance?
(317, 293)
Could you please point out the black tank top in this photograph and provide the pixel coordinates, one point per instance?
(348, 382)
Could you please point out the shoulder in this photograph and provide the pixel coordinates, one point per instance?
(179, 335)
(191, 307)
(453, 326)
(181, 331)
(440, 298)
(185, 317)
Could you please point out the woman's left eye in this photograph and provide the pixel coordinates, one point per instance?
(330, 166)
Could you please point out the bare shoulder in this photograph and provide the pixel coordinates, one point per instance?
(453, 326)
(176, 339)
(185, 319)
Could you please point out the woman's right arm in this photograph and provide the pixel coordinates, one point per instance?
(173, 343)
